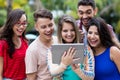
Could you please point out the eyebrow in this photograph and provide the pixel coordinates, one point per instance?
(21, 21)
(84, 11)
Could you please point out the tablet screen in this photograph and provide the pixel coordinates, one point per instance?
(58, 50)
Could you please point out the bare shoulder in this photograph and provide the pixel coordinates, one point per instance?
(114, 52)
(114, 49)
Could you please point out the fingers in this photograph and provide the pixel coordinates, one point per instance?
(81, 32)
(81, 35)
(71, 52)
(67, 57)
(75, 66)
(74, 53)
(76, 59)
(64, 54)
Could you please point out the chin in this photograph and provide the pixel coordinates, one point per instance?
(19, 35)
(85, 24)
(49, 38)
(69, 41)
(93, 46)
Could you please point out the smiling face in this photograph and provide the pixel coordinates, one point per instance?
(20, 26)
(85, 13)
(45, 28)
(68, 32)
(93, 37)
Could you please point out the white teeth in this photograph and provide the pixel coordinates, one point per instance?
(20, 30)
(48, 34)
(69, 37)
(93, 40)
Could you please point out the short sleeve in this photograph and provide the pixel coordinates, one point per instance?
(111, 30)
(3, 47)
(30, 61)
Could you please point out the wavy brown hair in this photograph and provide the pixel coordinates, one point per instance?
(67, 19)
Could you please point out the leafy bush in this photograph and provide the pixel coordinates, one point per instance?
(3, 15)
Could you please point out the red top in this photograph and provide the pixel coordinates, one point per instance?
(13, 68)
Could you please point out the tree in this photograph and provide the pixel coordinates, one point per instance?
(110, 11)
(9, 6)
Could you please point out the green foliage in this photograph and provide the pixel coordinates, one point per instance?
(65, 5)
(118, 27)
(2, 3)
(108, 9)
(17, 4)
(29, 13)
(3, 16)
(54, 4)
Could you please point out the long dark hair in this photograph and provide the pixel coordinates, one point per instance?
(7, 30)
(103, 30)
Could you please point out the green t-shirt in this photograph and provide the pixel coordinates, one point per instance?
(69, 74)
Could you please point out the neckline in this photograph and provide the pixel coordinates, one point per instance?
(20, 44)
(41, 43)
(101, 52)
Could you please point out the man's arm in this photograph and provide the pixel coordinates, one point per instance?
(1, 67)
(116, 41)
(31, 76)
(31, 64)
(113, 35)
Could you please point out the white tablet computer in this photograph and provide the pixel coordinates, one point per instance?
(58, 50)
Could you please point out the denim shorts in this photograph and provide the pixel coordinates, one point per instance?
(6, 79)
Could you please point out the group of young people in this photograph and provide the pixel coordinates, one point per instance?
(18, 61)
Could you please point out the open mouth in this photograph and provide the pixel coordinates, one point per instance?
(85, 20)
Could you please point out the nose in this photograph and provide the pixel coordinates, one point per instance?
(22, 26)
(92, 36)
(69, 33)
(48, 29)
(84, 15)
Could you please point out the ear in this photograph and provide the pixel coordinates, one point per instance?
(77, 12)
(95, 11)
(36, 27)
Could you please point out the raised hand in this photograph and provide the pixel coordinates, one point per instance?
(81, 33)
(67, 57)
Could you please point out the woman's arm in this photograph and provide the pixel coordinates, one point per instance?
(55, 69)
(115, 56)
(66, 60)
(1, 67)
(87, 73)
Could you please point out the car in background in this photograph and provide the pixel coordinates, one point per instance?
(31, 35)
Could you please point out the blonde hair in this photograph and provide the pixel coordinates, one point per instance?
(67, 19)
